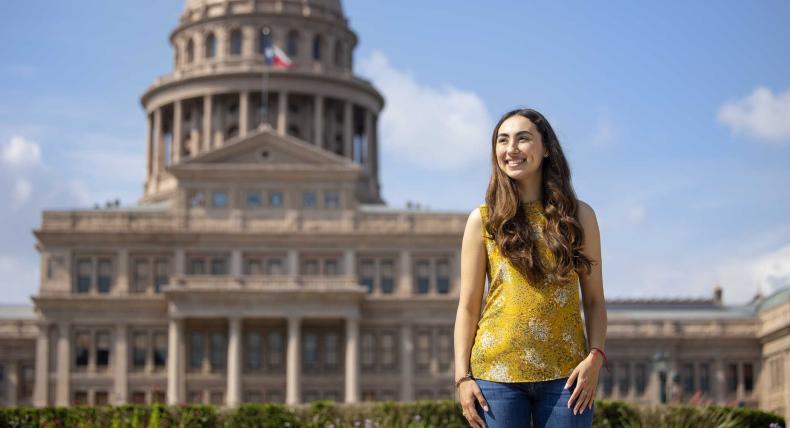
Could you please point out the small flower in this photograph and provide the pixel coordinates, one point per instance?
(417, 418)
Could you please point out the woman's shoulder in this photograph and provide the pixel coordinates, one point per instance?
(585, 211)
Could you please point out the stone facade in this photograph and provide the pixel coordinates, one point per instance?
(261, 263)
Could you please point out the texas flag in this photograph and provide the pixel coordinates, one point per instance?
(276, 57)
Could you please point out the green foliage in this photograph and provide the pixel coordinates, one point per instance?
(384, 414)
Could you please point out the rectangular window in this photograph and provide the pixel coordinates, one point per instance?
(275, 199)
(82, 349)
(367, 272)
(687, 377)
(748, 377)
(100, 398)
(332, 351)
(608, 381)
(423, 276)
(445, 351)
(158, 396)
(624, 376)
(80, 398)
(217, 351)
(253, 351)
(310, 351)
(423, 351)
(217, 397)
(139, 350)
(141, 275)
(160, 350)
(253, 199)
(275, 350)
(219, 266)
(443, 276)
(197, 198)
(102, 349)
(253, 267)
(308, 200)
(253, 397)
(331, 267)
(387, 341)
(219, 199)
(197, 266)
(105, 276)
(640, 377)
(387, 268)
(162, 274)
(310, 267)
(368, 351)
(275, 266)
(331, 199)
(196, 346)
(732, 377)
(84, 274)
(195, 397)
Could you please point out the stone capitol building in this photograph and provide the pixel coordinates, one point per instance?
(261, 263)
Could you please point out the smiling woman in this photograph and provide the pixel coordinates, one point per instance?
(536, 242)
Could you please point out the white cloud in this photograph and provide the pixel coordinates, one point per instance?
(606, 133)
(434, 128)
(769, 271)
(20, 152)
(23, 188)
(761, 115)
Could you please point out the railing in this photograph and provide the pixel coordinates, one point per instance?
(241, 221)
(264, 282)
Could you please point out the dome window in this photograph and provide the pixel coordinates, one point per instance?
(211, 46)
(235, 42)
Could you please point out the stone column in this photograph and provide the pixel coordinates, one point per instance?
(282, 112)
(368, 143)
(122, 276)
(149, 144)
(293, 370)
(348, 130)
(405, 285)
(233, 397)
(158, 146)
(244, 113)
(718, 379)
(352, 359)
(248, 42)
(178, 138)
(207, 121)
(235, 263)
(349, 263)
(174, 379)
(41, 388)
(121, 386)
(12, 386)
(407, 362)
(293, 262)
(62, 391)
(318, 122)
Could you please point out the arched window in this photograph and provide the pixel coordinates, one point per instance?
(292, 43)
(190, 51)
(235, 42)
(264, 39)
(339, 53)
(318, 44)
(211, 46)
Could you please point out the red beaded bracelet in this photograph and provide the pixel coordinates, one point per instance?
(605, 361)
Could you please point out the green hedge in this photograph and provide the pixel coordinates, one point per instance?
(327, 414)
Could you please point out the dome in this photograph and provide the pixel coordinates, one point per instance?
(332, 7)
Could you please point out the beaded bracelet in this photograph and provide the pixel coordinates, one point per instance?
(605, 361)
(468, 375)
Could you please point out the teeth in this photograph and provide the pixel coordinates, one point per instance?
(514, 163)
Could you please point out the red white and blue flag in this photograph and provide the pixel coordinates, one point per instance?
(274, 55)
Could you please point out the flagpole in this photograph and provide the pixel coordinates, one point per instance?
(265, 33)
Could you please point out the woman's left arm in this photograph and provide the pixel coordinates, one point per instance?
(586, 373)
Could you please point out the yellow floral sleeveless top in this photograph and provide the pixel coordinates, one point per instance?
(526, 333)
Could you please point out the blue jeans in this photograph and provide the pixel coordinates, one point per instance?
(513, 404)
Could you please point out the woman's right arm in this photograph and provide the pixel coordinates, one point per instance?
(473, 271)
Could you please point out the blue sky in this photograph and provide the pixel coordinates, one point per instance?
(675, 118)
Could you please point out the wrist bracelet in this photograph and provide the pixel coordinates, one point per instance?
(605, 360)
(468, 375)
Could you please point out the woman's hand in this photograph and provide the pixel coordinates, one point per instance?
(586, 377)
(468, 393)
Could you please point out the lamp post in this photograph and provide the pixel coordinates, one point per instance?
(660, 365)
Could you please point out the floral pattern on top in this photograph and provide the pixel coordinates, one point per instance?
(526, 332)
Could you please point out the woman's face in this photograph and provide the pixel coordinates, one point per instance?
(519, 147)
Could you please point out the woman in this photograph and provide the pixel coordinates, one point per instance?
(526, 356)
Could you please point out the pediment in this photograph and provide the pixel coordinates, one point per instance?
(268, 147)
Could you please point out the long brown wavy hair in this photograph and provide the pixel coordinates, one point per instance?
(507, 222)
